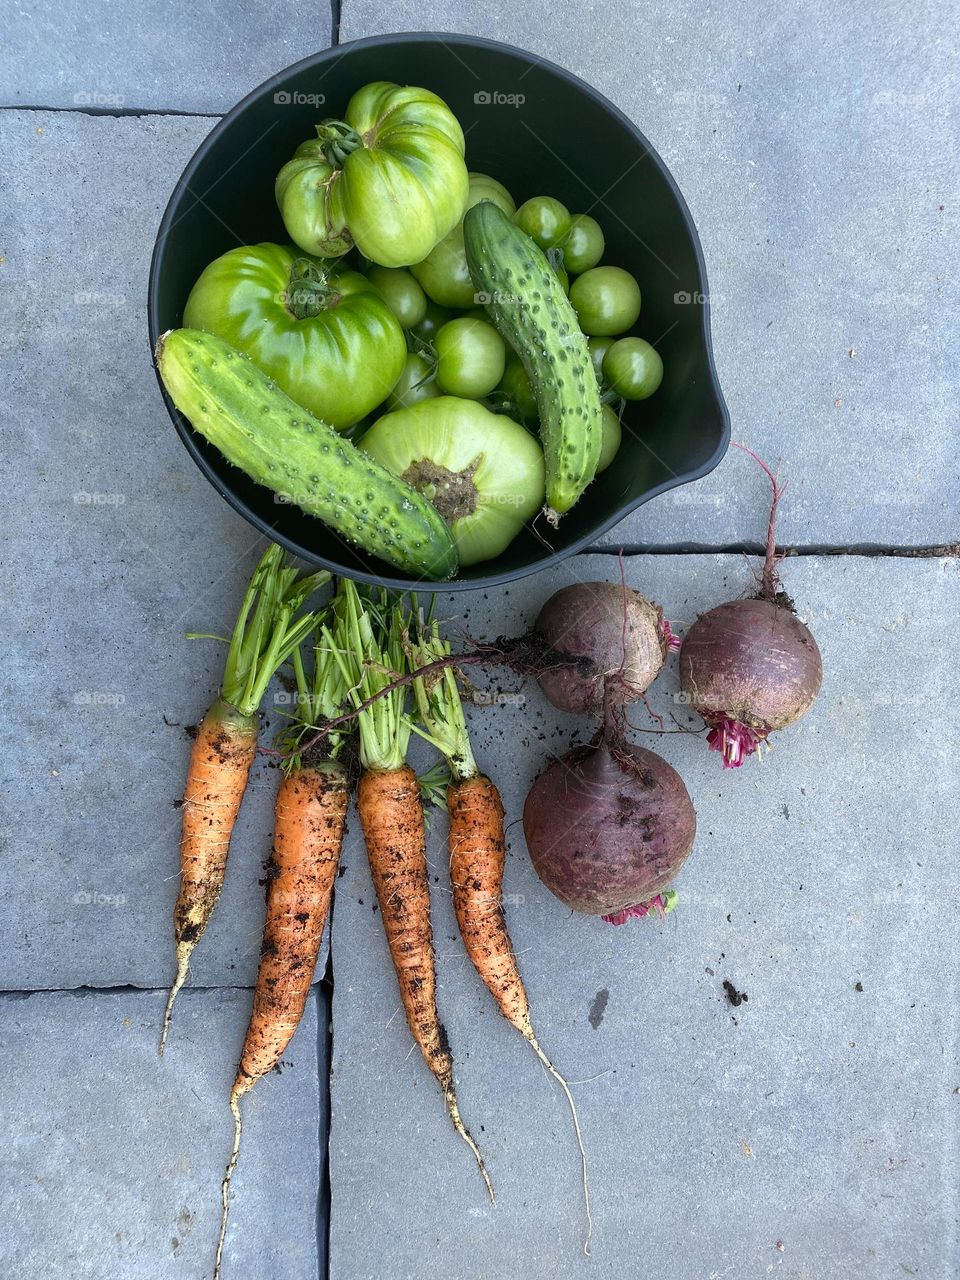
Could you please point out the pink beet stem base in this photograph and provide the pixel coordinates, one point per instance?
(734, 741)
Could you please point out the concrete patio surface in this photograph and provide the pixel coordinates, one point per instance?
(809, 1132)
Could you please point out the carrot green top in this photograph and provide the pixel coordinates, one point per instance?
(439, 709)
(267, 630)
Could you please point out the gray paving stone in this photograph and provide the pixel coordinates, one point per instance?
(115, 547)
(814, 1115)
(816, 156)
(182, 57)
(113, 1157)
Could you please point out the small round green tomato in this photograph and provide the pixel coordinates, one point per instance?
(401, 293)
(434, 318)
(470, 358)
(583, 247)
(610, 440)
(633, 368)
(544, 219)
(516, 389)
(414, 384)
(598, 349)
(606, 300)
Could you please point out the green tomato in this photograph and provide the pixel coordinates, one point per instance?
(482, 471)
(401, 293)
(598, 348)
(633, 368)
(324, 335)
(433, 321)
(584, 245)
(606, 300)
(545, 220)
(516, 391)
(389, 177)
(414, 384)
(610, 440)
(470, 358)
(444, 274)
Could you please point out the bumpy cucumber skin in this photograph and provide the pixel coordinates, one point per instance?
(527, 304)
(258, 428)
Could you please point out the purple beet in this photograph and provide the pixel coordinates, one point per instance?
(621, 639)
(750, 667)
(608, 827)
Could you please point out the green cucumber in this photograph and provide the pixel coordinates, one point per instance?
(258, 428)
(529, 307)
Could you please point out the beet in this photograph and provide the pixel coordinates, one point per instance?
(608, 826)
(750, 666)
(619, 636)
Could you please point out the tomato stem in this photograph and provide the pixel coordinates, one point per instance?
(309, 290)
(338, 139)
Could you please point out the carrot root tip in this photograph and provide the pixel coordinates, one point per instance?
(184, 952)
(225, 1185)
(535, 1045)
(465, 1134)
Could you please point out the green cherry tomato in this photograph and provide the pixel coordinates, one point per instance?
(606, 300)
(515, 390)
(598, 349)
(584, 245)
(444, 274)
(610, 439)
(481, 470)
(324, 335)
(545, 220)
(401, 293)
(633, 368)
(470, 358)
(389, 177)
(414, 384)
(434, 319)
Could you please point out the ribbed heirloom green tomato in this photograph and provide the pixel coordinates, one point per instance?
(584, 245)
(401, 293)
(633, 368)
(324, 335)
(545, 220)
(443, 273)
(470, 358)
(482, 471)
(606, 300)
(389, 178)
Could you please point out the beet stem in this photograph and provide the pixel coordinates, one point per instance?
(768, 581)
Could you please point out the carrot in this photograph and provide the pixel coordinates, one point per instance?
(391, 815)
(310, 813)
(264, 636)
(477, 855)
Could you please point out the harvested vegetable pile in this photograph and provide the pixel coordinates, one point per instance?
(426, 368)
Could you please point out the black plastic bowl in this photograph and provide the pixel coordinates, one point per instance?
(539, 130)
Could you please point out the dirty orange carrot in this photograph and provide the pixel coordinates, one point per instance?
(309, 817)
(391, 815)
(225, 745)
(477, 855)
